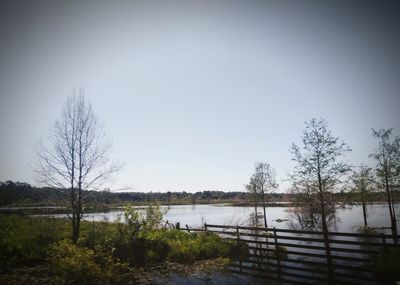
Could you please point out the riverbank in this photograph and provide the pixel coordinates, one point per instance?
(30, 209)
(162, 273)
(38, 250)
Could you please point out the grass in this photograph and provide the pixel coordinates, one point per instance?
(37, 250)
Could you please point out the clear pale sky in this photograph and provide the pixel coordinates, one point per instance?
(194, 92)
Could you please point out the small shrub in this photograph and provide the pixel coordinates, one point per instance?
(137, 223)
(75, 265)
(188, 248)
(135, 241)
(97, 233)
(182, 252)
(238, 250)
(156, 251)
(211, 246)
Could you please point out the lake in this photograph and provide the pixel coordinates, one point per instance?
(348, 217)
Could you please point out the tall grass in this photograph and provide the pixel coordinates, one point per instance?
(106, 252)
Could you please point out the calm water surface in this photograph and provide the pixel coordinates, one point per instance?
(348, 218)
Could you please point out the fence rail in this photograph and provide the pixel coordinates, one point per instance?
(306, 257)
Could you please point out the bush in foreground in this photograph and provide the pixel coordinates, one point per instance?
(36, 250)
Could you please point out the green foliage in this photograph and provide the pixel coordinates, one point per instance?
(199, 246)
(137, 223)
(107, 253)
(187, 248)
(73, 264)
(23, 240)
(140, 241)
(131, 242)
(94, 233)
(154, 217)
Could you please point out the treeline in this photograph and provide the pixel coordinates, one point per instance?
(23, 194)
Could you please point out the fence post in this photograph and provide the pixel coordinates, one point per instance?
(278, 258)
(205, 227)
(258, 246)
(394, 229)
(384, 242)
(328, 257)
(178, 226)
(238, 240)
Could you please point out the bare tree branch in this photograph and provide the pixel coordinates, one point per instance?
(74, 156)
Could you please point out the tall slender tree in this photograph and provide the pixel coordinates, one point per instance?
(319, 167)
(387, 156)
(363, 181)
(262, 182)
(254, 198)
(74, 157)
(319, 170)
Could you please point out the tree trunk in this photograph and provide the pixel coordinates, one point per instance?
(364, 207)
(255, 214)
(265, 213)
(393, 221)
(322, 203)
(78, 227)
(323, 215)
(364, 214)
(326, 238)
(73, 224)
(75, 227)
(76, 224)
(325, 228)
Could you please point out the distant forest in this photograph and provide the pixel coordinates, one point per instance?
(23, 194)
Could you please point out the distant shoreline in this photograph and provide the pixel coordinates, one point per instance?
(38, 210)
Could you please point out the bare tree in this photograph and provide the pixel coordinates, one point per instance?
(387, 155)
(319, 169)
(74, 157)
(262, 182)
(363, 181)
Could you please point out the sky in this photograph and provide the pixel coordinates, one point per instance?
(193, 93)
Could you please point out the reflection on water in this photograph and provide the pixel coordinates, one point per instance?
(346, 218)
(308, 217)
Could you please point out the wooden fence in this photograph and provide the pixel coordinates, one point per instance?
(306, 257)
